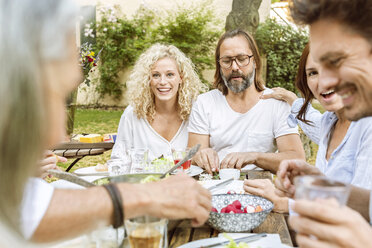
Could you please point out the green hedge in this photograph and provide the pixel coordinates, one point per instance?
(282, 45)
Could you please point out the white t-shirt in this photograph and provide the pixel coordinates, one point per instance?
(230, 131)
(138, 133)
(35, 203)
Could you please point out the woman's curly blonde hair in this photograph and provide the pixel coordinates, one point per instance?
(142, 98)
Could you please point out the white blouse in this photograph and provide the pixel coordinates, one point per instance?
(138, 133)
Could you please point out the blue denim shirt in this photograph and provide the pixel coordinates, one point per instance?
(351, 161)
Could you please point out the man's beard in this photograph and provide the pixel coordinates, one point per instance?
(238, 87)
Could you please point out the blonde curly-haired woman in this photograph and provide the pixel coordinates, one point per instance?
(161, 88)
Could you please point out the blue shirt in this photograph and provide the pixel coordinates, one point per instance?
(351, 161)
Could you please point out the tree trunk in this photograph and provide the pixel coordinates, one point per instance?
(244, 15)
(71, 107)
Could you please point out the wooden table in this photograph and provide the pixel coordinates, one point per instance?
(79, 150)
(274, 223)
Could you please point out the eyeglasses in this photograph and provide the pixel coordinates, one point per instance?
(241, 61)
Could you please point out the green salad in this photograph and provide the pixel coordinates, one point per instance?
(161, 165)
(233, 244)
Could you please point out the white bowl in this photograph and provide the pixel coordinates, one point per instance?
(229, 173)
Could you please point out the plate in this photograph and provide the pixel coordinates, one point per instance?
(90, 169)
(194, 171)
(249, 167)
(271, 241)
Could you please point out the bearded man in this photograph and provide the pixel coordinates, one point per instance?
(232, 123)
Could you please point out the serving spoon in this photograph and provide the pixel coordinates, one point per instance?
(71, 178)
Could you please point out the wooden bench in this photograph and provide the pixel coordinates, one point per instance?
(79, 150)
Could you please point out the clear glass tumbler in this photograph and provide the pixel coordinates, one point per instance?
(139, 158)
(313, 187)
(147, 232)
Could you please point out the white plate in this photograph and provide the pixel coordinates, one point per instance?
(235, 186)
(249, 167)
(271, 241)
(88, 170)
(194, 171)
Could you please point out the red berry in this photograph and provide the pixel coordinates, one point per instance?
(223, 210)
(230, 209)
(214, 210)
(237, 204)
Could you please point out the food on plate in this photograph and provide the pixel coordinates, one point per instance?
(152, 178)
(233, 244)
(237, 208)
(101, 167)
(204, 177)
(161, 164)
(102, 181)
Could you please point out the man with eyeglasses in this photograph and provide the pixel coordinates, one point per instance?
(234, 126)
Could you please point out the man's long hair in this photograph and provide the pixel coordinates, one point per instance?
(218, 81)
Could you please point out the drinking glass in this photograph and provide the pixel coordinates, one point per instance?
(139, 157)
(147, 232)
(119, 166)
(313, 187)
(178, 155)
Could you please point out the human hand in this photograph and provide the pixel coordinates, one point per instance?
(281, 94)
(265, 188)
(179, 197)
(49, 162)
(238, 159)
(325, 224)
(207, 158)
(288, 170)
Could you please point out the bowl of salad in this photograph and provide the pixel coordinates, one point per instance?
(238, 212)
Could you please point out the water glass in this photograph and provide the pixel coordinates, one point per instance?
(139, 157)
(118, 166)
(147, 232)
(321, 187)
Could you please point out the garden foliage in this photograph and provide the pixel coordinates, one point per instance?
(282, 45)
(193, 30)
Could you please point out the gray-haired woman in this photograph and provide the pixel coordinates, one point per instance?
(38, 69)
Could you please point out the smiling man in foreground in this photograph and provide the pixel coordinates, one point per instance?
(341, 42)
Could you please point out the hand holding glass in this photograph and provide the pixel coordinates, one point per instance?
(315, 187)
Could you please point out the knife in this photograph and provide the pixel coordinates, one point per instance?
(245, 239)
(226, 182)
